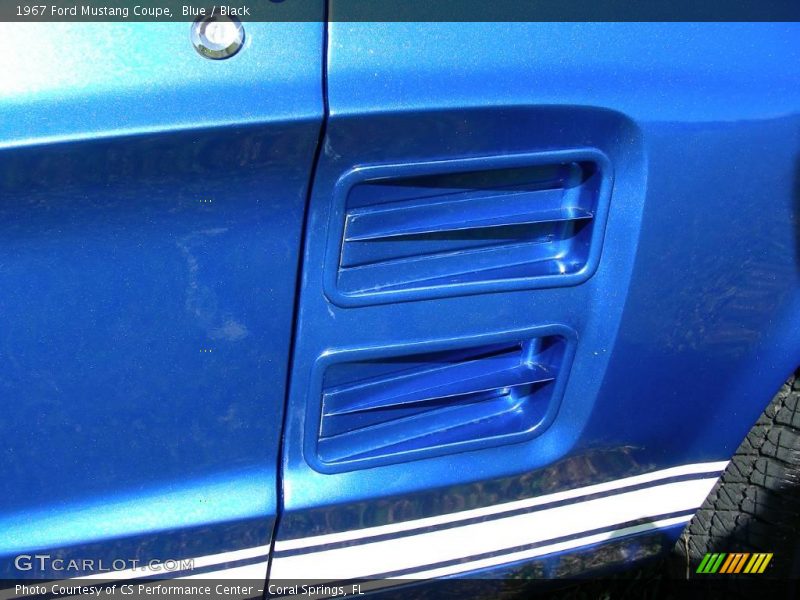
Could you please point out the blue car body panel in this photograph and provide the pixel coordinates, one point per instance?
(153, 210)
(683, 333)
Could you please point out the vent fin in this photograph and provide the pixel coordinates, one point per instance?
(378, 408)
(406, 237)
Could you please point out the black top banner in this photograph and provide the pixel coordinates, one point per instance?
(401, 10)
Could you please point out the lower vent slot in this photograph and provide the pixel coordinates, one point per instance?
(428, 402)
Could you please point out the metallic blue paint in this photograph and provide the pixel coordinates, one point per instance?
(152, 206)
(690, 322)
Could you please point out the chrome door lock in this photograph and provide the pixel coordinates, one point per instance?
(217, 37)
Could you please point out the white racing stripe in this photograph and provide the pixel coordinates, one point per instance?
(377, 584)
(344, 536)
(416, 552)
(254, 572)
(503, 533)
(503, 559)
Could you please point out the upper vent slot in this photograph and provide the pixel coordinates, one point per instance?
(444, 233)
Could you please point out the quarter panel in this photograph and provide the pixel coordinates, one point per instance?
(682, 331)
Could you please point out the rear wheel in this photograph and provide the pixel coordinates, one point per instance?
(755, 507)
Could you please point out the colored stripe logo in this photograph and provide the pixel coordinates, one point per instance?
(735, 562)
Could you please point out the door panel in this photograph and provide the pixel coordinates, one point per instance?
(417, 256)
(150, 217)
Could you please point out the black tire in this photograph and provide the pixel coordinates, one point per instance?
(755, 506)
